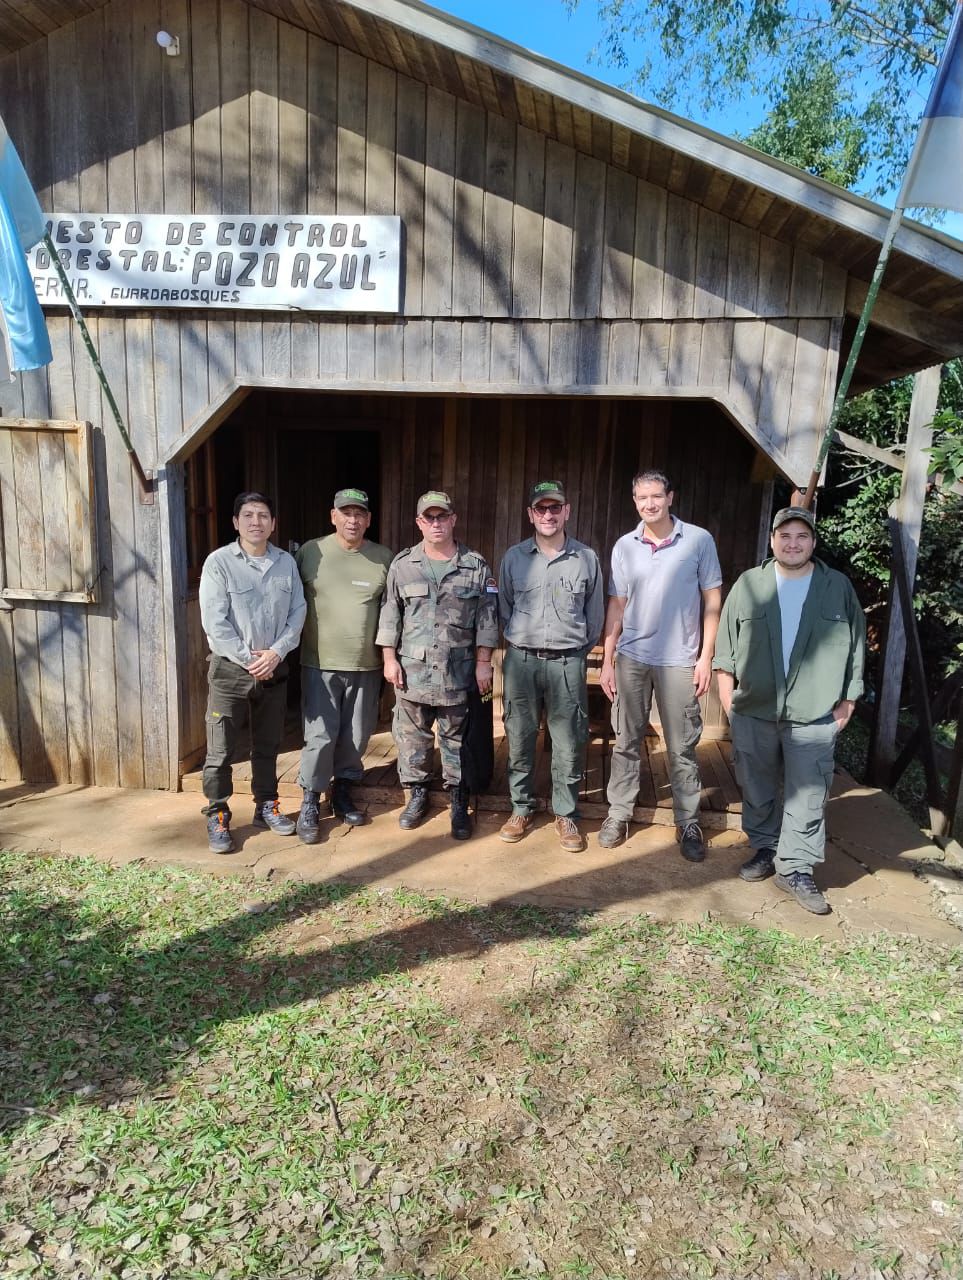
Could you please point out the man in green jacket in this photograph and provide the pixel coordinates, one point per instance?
(789, 658)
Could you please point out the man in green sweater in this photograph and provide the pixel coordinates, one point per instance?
(344, 579)
(789, 657)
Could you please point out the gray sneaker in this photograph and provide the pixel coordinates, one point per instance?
(760, 865)
(269, 815)
(691, 844)
(613, 832)
(801, 886)
(219, 831)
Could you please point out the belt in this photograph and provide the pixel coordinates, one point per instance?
(548, 653)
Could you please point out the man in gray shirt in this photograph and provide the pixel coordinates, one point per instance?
(252, 611)
(550, 600)
(660, 633)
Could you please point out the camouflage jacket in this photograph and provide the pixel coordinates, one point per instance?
(435, 628)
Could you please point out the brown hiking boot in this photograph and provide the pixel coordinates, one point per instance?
(569, 836)
(516, 826)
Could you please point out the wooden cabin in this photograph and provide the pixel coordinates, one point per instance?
(571, 284)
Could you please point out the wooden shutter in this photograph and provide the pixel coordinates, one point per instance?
(47, 512)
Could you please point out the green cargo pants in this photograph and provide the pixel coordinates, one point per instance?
(557, 685)
(785, 771)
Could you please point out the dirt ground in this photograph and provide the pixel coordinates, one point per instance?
(870, 876)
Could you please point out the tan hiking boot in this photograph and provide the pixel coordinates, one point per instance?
(569, 836)
(516, 826)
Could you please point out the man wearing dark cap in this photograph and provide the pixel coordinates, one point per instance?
(438, 627)
(344, 579)
(551, 602)
(789, 658)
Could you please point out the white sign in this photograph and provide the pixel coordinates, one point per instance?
(289, 262)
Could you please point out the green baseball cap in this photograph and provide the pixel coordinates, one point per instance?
(351, 498)
(434, 498)
(546, 489)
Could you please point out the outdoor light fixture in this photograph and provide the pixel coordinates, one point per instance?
(170, 44)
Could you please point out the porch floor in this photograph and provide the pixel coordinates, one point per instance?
(720, 794)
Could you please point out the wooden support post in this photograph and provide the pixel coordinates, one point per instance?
(954, 792)
(904, 596)
(909, 517)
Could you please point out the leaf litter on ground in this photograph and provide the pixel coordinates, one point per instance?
(353, 1083)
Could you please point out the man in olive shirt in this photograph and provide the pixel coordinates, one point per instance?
(438, 627)
(550, 598)
(789, 659)
(344, 579)
(252, 611)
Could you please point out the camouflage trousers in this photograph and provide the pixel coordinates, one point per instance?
(413, 731)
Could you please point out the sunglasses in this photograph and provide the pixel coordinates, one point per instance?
(548, 509)
(440, 519)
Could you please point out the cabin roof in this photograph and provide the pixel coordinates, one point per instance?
(918, 320)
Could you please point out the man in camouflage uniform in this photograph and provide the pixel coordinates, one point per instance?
(437, 630)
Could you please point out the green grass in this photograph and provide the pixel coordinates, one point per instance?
(335, 1082)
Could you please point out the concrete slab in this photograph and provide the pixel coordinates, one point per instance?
(868, 877)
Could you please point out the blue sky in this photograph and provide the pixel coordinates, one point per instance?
(545, 27)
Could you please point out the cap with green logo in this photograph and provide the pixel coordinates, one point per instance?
(546, 489)
(434, 498)
(351, 498)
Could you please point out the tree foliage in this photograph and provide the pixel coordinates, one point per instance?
(854, 507)
(814, 125)
(706, 53)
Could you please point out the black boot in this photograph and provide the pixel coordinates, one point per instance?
(309, 819)
(460, 821)
(342, 804)
(415, 809)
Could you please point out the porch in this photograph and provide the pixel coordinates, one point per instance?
(721, 804)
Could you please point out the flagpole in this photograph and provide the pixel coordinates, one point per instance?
(904, 196)
(825, 445)
(147, 485)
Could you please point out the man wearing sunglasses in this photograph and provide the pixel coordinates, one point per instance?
(437, 630)
(552, 606)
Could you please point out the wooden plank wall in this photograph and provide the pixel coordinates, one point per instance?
(488, 451)
(528, 265)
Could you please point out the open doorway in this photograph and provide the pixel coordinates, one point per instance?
(312, 465)
(298, 448)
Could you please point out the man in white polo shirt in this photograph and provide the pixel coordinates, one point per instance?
(660, 633)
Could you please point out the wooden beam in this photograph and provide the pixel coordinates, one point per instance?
(891, 313)
(890, 458)
(909, 520)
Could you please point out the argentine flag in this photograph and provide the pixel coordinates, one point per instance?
(23, 333)
(935, 173)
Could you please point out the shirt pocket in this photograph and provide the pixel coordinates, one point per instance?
(414, 591)
(570, 596)
(834, 628)
(753, 633)
(242, 597)
(461, 604)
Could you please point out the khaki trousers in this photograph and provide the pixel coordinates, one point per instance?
(635, 683)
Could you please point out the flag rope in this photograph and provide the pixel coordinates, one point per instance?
(146, 484)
